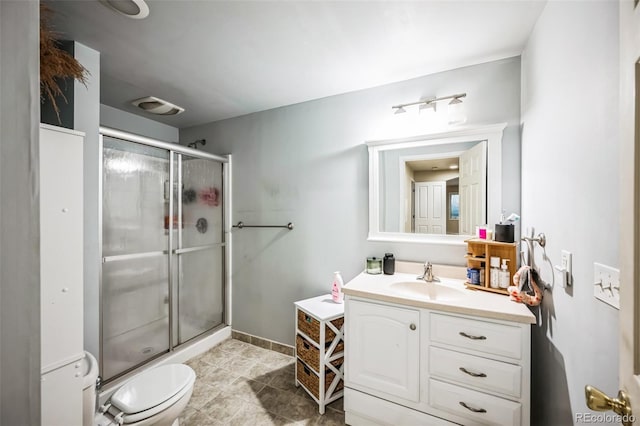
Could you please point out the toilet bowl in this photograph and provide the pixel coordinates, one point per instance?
(153, 397)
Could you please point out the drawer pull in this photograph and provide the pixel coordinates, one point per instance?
(308, 319)
(412, 326)
(469, 336)
(306, 345)
(475, 410)
(471, 373)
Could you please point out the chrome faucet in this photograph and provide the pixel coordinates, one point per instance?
(428, 276)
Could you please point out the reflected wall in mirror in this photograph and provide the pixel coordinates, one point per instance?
(435, 188)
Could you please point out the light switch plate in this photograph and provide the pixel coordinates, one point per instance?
(606, 284)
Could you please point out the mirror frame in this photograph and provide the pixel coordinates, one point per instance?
(491, 133)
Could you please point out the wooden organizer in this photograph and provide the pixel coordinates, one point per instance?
(319, 349)
(480, 251)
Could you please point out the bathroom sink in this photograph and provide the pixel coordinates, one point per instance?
(431, 291)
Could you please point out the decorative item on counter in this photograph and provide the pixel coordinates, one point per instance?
(484, 232)
(481, 232)
(202, 225)
(525, 288)
(374, 265)
(389, 264)
(189, 196)
(505, 232)
(210, 196)
(336, 288)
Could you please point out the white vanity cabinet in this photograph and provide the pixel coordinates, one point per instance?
(411, 365)
(384, 349)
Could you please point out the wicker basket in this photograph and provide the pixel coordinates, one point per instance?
(311, 355)
(311, 381)
(311, 327)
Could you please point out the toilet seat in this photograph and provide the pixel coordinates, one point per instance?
(152, 392)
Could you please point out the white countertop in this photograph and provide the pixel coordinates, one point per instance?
(321, 307)
(466, 301)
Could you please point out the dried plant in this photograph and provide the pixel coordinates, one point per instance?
(55, 63)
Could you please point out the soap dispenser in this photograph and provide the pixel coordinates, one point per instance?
(336, 288)
(504, 274)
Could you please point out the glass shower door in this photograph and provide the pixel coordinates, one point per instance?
(199, 248)
(135, 278)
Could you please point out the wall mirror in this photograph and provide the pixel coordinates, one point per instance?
(435, 188)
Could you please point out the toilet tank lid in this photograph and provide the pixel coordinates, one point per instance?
(152, 388)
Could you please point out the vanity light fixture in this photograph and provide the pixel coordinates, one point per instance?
(456, 112)
(430, 104)
(453, 166)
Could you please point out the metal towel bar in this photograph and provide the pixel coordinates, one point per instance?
(241, 225)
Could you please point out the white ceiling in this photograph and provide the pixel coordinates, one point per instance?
(221, 59)
(434, 164)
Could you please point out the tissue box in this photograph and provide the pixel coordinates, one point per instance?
(505, 233)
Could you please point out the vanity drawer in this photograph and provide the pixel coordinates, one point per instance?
(483, 336)
(480, 372)
(479, 408)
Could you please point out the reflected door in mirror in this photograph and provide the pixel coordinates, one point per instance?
(473, 178)
(430, 207)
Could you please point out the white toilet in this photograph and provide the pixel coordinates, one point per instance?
(153, 397)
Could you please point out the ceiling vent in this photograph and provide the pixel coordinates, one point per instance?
(134, 9)
(157, 106)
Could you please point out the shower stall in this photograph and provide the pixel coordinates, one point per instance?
(164, 248)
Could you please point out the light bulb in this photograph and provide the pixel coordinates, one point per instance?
(456, 112)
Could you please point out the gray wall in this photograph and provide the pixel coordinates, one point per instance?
(307, 163)
(19, 214)
(570, 192)
(86, 118)
(122, 120)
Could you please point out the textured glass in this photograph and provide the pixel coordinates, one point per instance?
(202, 209)
(136, 221)
(134, 203)
(201, 292)
(135, 312)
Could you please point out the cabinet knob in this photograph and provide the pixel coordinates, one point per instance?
(412, 326)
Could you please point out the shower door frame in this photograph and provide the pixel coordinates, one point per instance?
(173, 150)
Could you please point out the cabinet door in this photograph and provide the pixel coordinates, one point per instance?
(382, 344)
(61, 396)
(61, 247)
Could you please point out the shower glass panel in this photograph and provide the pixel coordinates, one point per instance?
(134, 295)
(199, 248)
(135, 313)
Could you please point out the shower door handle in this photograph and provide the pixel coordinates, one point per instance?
(198, 248)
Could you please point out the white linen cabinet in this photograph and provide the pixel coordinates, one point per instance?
(61, 274)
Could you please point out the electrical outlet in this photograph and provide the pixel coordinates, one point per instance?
(606, 282)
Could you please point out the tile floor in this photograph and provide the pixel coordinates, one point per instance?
(241, 384)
